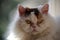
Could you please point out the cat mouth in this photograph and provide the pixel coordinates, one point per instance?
(34, 30)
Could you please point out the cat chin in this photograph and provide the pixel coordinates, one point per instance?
(32, 32)
(35, 33)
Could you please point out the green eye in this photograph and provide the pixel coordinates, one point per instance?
(28, 21)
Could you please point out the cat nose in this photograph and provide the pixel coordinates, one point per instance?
(33, 26)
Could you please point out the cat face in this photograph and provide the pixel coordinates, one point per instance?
(32, 20)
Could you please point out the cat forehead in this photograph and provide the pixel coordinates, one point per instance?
(32, 17)
(29, 11)
(32, 14)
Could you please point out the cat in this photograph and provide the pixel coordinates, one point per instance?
(34, 24)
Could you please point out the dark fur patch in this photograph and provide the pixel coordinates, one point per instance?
(28, 11)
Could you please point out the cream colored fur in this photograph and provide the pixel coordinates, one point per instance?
(22, 31)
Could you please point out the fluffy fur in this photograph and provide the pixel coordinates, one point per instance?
(43, 31)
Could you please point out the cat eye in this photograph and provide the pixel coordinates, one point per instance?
(28, 21)
(40, 21)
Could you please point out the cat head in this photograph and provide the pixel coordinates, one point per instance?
(32, 20)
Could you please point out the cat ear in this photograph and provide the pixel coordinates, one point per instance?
(45, 9)
(21, 10)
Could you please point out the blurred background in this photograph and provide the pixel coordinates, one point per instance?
(7, 6)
